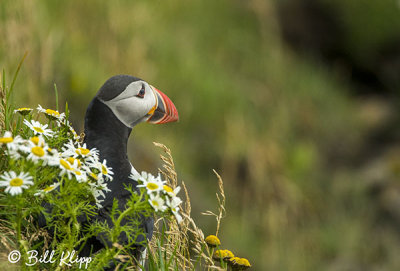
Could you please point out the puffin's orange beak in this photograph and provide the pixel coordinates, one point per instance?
(164, 111)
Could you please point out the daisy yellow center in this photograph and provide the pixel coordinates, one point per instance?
(94, 176)
(38, 129)
(38, 151)
(168, 189)
(24, 109)
(47, 189)
(82, 151)
(35, 140)
(152, 186)
(16, 182)
(155, 203)
(65, 164)
(104, 170)
(72, 160)
(6, 140)
(52, 112)
(77, 173)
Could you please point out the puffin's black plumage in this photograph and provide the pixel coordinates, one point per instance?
(107, 134)
(121, 103)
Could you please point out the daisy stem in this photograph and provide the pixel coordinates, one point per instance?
(122, 215)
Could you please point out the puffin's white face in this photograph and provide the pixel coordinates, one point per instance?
(142, 102)
(135, 104)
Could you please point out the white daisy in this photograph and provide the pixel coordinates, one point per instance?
(53, 153)
(37, 153)
(51, 156)
(98, 190)
(151, 183)
(80, 151)
(7, 138)
(15, 183)
(79, 175)
(97, 194)
(14, 154)
(47, 189)
(23, 110)
(157, 203)
(101, 185)
(50, 113)
(66, 168)
(69, 149)
(37, 141)
(106, 171)
(173, 204)
(74, 161)
(171, 192)
(102, 168)
(13, 144)
(138, 177)
(38, 128)
(178, 217)
(93, 176)
(71, 167)
(74, 133)
(38, 150)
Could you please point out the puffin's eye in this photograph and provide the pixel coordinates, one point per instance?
(141, 92)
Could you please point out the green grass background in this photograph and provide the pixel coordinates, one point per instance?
(283, 130)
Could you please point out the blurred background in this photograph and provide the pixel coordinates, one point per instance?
(294, 103)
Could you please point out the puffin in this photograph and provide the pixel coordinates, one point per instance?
(119, 105)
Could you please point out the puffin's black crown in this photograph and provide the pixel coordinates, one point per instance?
(114, 86)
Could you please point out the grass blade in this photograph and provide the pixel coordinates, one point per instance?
(15, 75)
(56, 91)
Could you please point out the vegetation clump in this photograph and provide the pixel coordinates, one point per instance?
(47, 173)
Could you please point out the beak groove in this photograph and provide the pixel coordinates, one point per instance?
(165, 111)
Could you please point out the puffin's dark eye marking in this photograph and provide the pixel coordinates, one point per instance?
(141, 92)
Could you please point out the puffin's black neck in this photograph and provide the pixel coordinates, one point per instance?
(107, 134)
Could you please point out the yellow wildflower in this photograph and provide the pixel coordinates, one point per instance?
(239, 263)
(212, 241)
(223, 254)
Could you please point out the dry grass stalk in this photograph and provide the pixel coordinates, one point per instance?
(32, 233)
(6, 242)
(221, 204)
(188, 208)
(169, 172)
(29, 236)
(177, 240)
(177, 235)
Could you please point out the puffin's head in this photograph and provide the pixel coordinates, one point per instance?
(133, 100)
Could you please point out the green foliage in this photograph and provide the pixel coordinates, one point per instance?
(45, 171)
